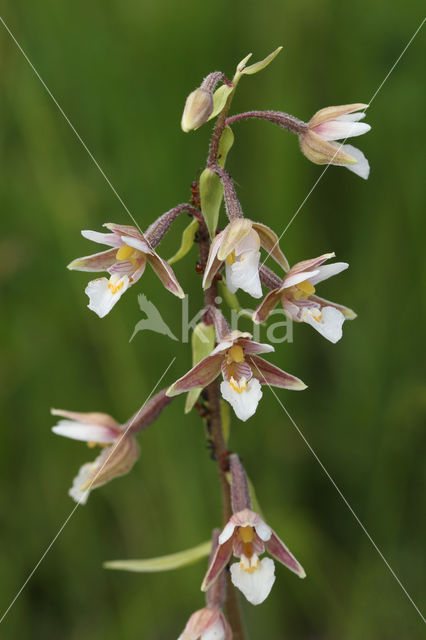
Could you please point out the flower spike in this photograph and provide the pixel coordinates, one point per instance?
(125, 262)
(297, 295)
(331, 124)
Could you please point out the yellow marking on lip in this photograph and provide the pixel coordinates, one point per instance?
(239, 387)
(114, 288)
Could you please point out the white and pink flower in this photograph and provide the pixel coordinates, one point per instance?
(297, 295)
(331, 124)
(125, 262)
(236, 357)
(238, 245)
(119, 454)
(246, 536)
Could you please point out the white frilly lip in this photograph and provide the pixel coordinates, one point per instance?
(245, 402)
(329, 325)
(101, 296)
(256, 585)
(244, 274)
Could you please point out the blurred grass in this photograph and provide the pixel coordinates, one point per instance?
(122, 72)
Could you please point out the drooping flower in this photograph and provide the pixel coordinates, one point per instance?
(318, 144)
(238, 245)
(120, 449)
(208, 623)
(236, 356)
(125, 262)
(246, 536)
(297, 295)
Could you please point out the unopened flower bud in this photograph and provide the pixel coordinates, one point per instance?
(198, 109)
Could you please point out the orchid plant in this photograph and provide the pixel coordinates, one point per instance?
(231, 255)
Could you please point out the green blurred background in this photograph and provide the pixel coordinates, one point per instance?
(121, 71)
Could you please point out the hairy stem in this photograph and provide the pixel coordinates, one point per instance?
(284, 120)
(213, 395)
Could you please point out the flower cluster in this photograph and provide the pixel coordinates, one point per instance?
(231, 253)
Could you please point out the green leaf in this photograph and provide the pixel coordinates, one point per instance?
(258, 66)
(187, 241)
(230, 298)
(203, 339)
(225, 415)
(220, 97)
(225, 143)
(242, 65)
(211, 189)
(163, 563)
(211, 193)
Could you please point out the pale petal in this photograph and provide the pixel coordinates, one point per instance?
(244, 274)
(84, 431)
(249, 518)
(328, 270)
(137, 243)
(341, 129)
(251, 242)
(257, 585)
(361, 168)
(329, 323)
(352, 117)
(92, 417)
(292, 279)
(101, 296)
(305, 267)
(227, 532)
(111, 239)
(245, 402)
(332, 113)
(233, 233)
